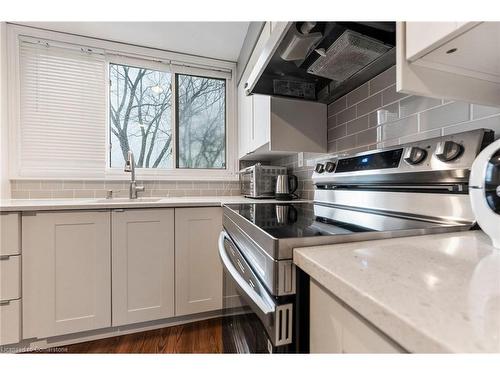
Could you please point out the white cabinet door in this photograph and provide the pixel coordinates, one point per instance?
(460, 65)
(245, 121)
(335, 328)
(10, 233)
(261, 125)
(198, 270)
(423, 36)
(66, 273)
(143, 265)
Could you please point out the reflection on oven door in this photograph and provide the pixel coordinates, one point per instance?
(242, 330)
(254, 322)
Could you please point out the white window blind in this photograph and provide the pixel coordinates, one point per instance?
(63, 111)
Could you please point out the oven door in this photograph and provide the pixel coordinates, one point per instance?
(254, 321)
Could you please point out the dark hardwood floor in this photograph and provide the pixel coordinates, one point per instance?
(198, 337)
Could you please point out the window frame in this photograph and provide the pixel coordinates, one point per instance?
(120, 53)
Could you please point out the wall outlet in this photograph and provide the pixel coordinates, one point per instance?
(300, 159)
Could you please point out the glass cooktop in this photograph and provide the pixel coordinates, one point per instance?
(297, 220)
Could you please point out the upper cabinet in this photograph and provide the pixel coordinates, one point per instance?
(271, 126)
(451, 60)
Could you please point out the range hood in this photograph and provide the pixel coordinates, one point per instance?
(322, 61)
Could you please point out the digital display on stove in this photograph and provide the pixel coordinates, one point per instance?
(381, 160)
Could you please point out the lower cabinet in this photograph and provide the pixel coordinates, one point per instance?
(198, 270)
(143, 265)
(66, 272)
(335, 328)
(85, 270)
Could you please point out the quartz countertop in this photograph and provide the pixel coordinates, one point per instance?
(432, 293)
(147, 202)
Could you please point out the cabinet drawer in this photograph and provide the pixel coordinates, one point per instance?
(10, 280)
(10, 234)
(10, 322)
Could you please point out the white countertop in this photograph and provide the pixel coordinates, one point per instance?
(433, 293)
(97, 203)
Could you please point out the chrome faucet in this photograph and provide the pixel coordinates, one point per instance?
(130, 167)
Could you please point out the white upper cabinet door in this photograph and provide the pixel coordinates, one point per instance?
(261, 125)
(421, 37)
(461, 65)
(245, 121)
(198, 270)
(66, 273)
(475, 53)
(143, 265)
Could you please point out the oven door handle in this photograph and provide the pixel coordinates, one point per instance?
(264, 306)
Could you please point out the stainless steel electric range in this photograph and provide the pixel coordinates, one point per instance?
(407, 190)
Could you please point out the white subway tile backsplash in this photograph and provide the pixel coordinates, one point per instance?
(355, 126)
(480, 111)
(92, 185)
(346, 143)
(346, 115)
(366, 137)
(492, 123)
(390, 95)
(40, 194)
(67, 185)
(413, 104)
(442, 116)
(400, 128)
(357, 95)
(331, 122)
(338, 132)
(383, 80)
(368, 105)
(46, 189)
(420, 136)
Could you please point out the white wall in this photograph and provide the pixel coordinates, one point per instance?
(4, 132)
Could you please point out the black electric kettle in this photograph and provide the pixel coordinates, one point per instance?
(286, 185)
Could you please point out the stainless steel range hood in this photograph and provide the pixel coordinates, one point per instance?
(321, 61)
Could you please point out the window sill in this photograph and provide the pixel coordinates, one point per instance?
(189, 175)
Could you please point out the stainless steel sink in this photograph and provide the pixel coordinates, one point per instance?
(127, 200)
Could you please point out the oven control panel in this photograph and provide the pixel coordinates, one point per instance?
(451, 152)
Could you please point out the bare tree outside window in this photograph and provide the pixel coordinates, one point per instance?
(140, 116)
(201, 116)
(141, 119)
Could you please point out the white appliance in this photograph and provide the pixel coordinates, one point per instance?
(485, 191)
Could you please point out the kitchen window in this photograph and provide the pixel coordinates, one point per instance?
(81, 109)
(140, 111)
(201, 122)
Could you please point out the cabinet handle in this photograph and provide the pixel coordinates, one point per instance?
(4, 257)
(3, 303)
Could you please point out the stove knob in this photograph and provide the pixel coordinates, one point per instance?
(414, 155)
(320, 168)
(448, 150)
(330, 167)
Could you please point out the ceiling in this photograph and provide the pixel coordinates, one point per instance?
(220, 40)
